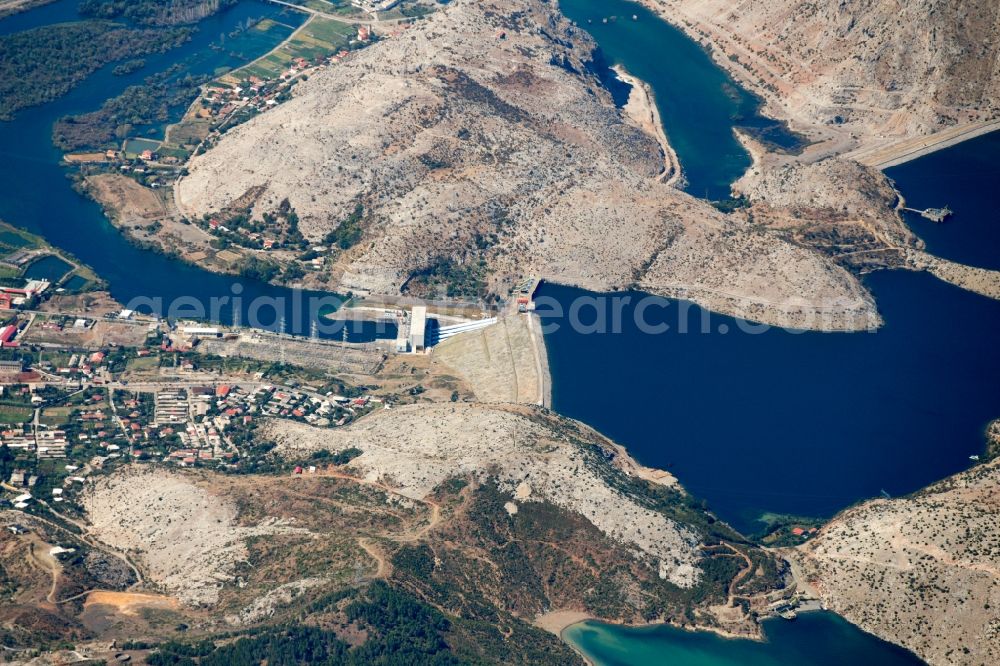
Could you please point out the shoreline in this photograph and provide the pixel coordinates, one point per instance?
(822, 141)
(641, 107)
(825, 141)
(559, 621)
(14, 7)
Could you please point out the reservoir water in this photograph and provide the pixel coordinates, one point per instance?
(815, 638)
(699, 103)
(35, 193)
(50, 268)
(788, 422)
(964, 178)
(802, 423)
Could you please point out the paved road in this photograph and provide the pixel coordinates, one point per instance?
(898, 152)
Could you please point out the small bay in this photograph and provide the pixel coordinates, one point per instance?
(699, 103)
(814, 638)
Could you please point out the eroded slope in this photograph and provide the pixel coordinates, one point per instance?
(480, 135)
(529, 454)
(922, 571)
(871, 68)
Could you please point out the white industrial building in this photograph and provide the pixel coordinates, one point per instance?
(418, 327)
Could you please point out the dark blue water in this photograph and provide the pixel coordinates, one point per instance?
(699, 103)
(957, 177)
(814, 639)
(37, 195)
(57, 12)
(790, 422)
(49, 268)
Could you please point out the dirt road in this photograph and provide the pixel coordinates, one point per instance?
(39, 555)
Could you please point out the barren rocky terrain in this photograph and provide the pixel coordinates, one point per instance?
(521, 448)
(480, 134)
(187, 536)
(840, 208)
(494, 515)
(979, 280)
(868, 71)
(921, 571)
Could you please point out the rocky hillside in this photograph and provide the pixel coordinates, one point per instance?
(478, 522)
(527, 464)
(838, 207)
(875, 67)
(921, 571)
(481, 148)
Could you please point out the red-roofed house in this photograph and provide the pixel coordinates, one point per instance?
(7, 336)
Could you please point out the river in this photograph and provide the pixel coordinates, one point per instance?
(36, 194)
(802, 423)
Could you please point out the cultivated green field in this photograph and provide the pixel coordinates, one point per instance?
(13, 415)
(338, 7)
(319, 38)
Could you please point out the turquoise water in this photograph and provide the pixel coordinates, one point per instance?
(699, 103)
(35, 193)
(786, 422)
(50, 268)
(957, 177)
(813, 639)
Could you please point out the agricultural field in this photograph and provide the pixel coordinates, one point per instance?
(56, 416)
(406, 10)
(318, 38)
(15, 414)
(338, 7)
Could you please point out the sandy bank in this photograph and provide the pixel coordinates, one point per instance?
(641, 107)
(10, 7)
(558, 621)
